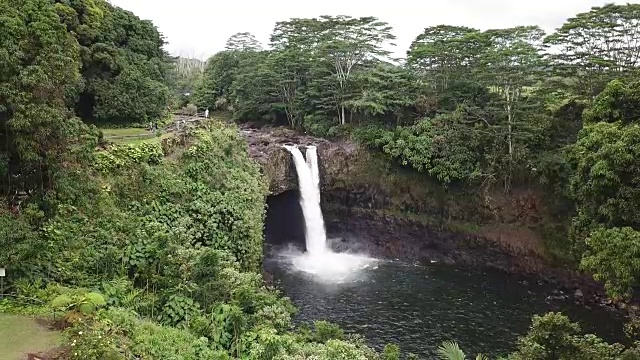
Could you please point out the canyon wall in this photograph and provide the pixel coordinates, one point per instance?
(404, 214)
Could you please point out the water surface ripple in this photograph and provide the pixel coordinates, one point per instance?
(419, 307)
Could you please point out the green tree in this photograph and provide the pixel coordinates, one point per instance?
(117, 48)
(613, 257)
(619, 101)
(294, 64)
(445, 54)
(554, 337)
(349, 43)
(386, 91)
(242, 42)
(604, 183)
(604, 186)
(596, 46)
(254, 91)
(512, 64)
(130, 97)
(216, 79)
(337, 47)
(289, 75)
(39, 75)
(444, 147)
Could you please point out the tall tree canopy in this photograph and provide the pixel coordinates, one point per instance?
(124, 66)
(596, 46)
(243, 41)
(39, 76)
(445, 54)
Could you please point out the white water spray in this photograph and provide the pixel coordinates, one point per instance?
(319, 259)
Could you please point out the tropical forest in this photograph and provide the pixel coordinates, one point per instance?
(316, 197)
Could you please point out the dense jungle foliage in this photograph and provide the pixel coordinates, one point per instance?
(471, 109)
(152, 250)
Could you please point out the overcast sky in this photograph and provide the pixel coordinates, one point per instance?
(200, 28)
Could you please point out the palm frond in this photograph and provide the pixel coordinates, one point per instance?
(482, 357)
(450, 350)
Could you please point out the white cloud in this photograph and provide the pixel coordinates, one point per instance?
(201, 27)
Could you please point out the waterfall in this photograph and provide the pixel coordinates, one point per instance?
(309, 184)
(312, 162)
(319, 260)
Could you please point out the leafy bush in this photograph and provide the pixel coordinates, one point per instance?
(178, 311)
(554, 337)
(122, 293)
(119, 334)
(325, 331)
(87, 303)
(391, 352)
(191, 109)
(441, 147)
(121, 156)
(613, 257)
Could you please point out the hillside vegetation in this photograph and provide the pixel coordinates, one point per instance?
(152, 250)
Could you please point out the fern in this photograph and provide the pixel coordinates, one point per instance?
(450, 350)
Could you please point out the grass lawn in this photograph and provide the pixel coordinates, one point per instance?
(152, 138)
(131, 136)
(124, 132)
(22, 334)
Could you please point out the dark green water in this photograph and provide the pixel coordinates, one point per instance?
(419, 307)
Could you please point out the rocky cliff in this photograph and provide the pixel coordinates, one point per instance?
(364, 192)
(354, 177)
(399, 213)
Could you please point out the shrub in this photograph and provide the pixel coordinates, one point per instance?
(121, 156)
(191, 109)
(86, 304)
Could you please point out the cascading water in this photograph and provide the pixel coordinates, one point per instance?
(312, 162)
(319, 259)
(308, 181)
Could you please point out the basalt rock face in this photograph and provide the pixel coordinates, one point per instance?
(266, 147)
(350, 175)
(356, 180)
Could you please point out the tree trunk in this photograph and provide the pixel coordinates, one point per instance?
(343, 118)
(509, 132)
(509, 122)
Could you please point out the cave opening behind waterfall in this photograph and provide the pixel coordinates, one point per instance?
(284, 223)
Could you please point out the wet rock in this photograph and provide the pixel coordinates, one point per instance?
(578, 293)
